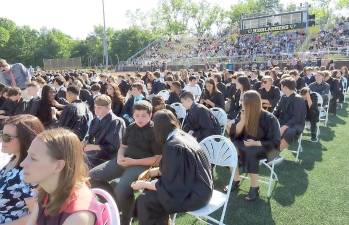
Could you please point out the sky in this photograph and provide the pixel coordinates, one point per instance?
(78, 17)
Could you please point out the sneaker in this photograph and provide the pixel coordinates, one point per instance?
(314, 139)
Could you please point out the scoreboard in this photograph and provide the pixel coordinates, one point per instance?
(275, 22)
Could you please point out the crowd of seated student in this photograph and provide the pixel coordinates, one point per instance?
(265, 110)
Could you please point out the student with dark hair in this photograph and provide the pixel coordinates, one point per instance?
(270, 94)
(291, 112)
(16, 137)
(320, 86)
(58, 83)
(312, 111)
(175, 92)
(255, 133)
(300, 83)
(105, 133)
(335, 89)
(193, 87)
(116, 98)
(136, 95)
(211, 96)
(200, 122)
(157, 84)
(158, 103)
(76, 114)
(124, 86)
(137, 152)
(14, 104)
(219, 84)
(180, 186)
(242, 85)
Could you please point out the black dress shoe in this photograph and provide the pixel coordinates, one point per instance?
(253, 194)
(234, 186)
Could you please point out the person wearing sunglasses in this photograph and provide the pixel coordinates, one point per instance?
(15, 75)
(269, 93)
(15, 193)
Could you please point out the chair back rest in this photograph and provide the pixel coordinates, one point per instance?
(221, 117)
(180, 110)
(165, 94)
(220, 151)
(320, 100)
(114, 217)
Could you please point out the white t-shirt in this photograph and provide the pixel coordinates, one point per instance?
(195, 90)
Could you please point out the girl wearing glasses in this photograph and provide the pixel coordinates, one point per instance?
(18, 133)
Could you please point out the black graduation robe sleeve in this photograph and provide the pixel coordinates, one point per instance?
(272, 137)
(178, 188)
(298, 115)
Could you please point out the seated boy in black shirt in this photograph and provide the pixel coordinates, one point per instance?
(137, 153)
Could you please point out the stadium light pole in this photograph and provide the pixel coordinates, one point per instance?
(105, 42)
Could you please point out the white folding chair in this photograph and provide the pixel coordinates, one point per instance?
(220, 152)
(165, 94)
(221, 116)
(323, 109)
(272, 178)
(180, 111)
(111, 205)
(299, 147)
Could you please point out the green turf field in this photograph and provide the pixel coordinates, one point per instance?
(313, 191)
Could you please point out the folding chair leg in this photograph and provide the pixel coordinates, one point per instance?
(173, 218)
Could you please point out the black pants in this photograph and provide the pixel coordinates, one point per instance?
(123, 193)
(149, 210)
(333, 105)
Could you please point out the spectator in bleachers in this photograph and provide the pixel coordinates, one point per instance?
(137, 151)
(105, 133)
(312, 111)
(270, 94)
(255, 133)
(180, 187)
(16, 137)
(55, 163)
(117, 99)
(193, 87)
(211, 96)
(291, 112)
(200, 122)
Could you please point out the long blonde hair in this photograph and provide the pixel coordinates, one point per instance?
(64, 145)
(253, 108)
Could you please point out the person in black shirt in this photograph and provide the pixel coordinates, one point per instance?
(335, 91)
(211, 97)
(58, 83)
(300, 83)
(219, 84)
(308, 76)
(242, 85)
(138, 151)
(105, 133)
(76, 114)
(270, 94)
(124, 86)
(158, 103)
(174, 93)
(291, 112)
(103, 82)
(200, 122)
(312, 111)
(157, 84)
(184, 177)
(14, 104)
(256, 133)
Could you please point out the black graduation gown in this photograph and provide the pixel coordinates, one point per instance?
(157, 86)
(273, 96)
(117, 106)
(173, 98)
(124, 87)
(200, 120)
(217, 98)
(185, 183)
(14, 108)
(107, 134)
(75, 117)
(291, 111)
(235, 106)
(222, 88)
